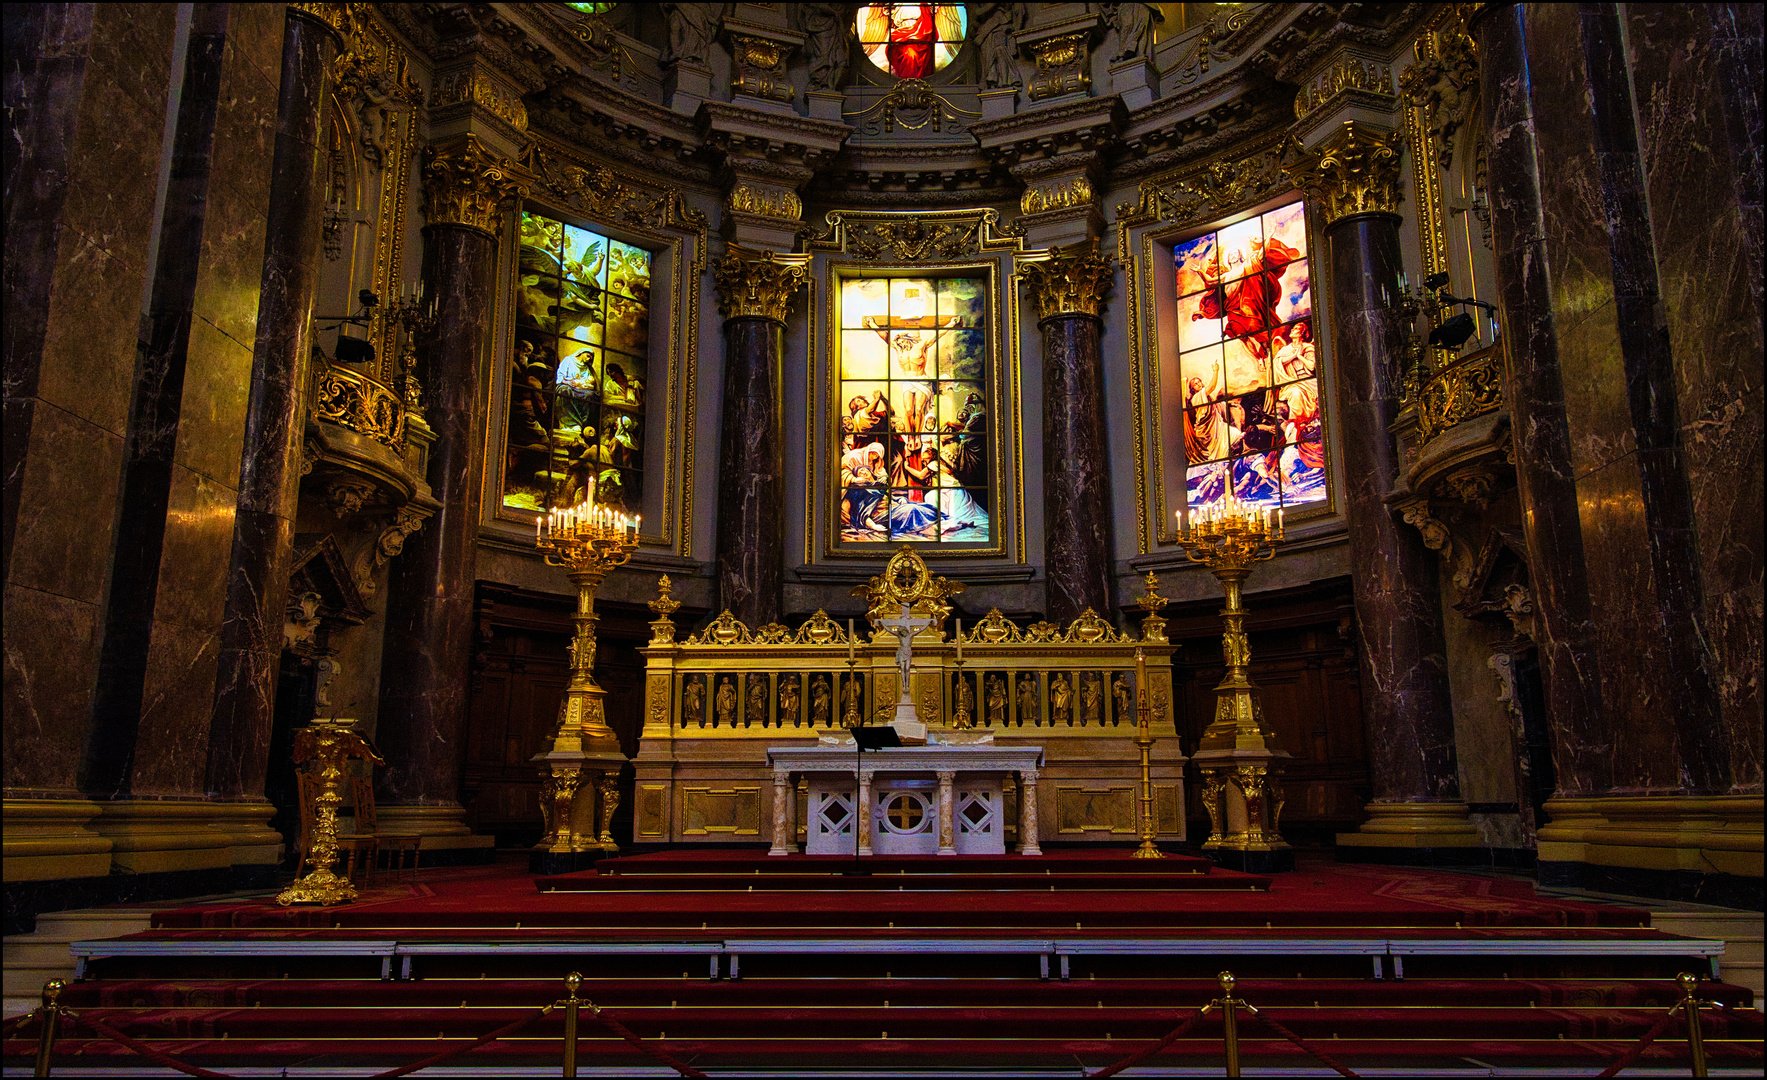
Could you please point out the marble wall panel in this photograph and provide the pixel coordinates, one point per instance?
(171, 744)
(48, 688)
(199, 532)
(89, 364)
(62, 545)
(1707, 233)
(217, 378)
(1484, 745)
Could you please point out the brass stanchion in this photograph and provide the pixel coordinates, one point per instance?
(1229, 1005)
(51, 1013)
(571, 1004)
(1690, 1005)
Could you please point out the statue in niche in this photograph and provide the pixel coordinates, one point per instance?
(757, 701)
(1134, 26)
(850, 699)
(825, 29)
(1027, 700)
(726, 702)
(1120, 695)
(1090, 699)
(820, 700)
(996, 700)
(966, 701)
(994, 26)
(1061, 696)
(694, 702)
(691, 27)
(788, 702)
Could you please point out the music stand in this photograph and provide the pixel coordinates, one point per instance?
(877, 737)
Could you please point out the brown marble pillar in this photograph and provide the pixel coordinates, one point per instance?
(269, 471)
(756, 291)
(1405, 704)
(1068, 289)
(426, 664)
(1564, 629)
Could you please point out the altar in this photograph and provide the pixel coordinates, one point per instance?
(914, 800)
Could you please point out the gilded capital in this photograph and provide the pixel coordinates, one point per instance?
(465, 184)
(1355, 171)
(1072, 280)
(758, 284)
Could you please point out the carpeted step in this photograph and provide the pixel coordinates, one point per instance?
(751, 861)
(801, 881)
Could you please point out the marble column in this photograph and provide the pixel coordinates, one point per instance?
(947, 819)
(1068, 289)
(270, 464)
(1354, 180)
(1027, 814)
(756, 290)
(1564, 628)
(862, 814)
(425, 670)
(783, 796)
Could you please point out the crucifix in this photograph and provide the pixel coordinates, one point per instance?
(905, 627)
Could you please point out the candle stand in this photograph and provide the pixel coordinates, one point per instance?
(323, 747)
(1239, 761)
(587, 541)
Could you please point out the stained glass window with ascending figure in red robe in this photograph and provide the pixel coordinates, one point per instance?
(911, 41)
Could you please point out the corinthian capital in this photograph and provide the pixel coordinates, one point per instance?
(758, 284)
(1072, 280)
(465, 184)
(1355, 171)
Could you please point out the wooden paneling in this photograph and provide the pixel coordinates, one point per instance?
(1302, 657)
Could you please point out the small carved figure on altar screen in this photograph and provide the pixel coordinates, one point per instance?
(996, 700)
(694, 702)
(966, 699)
(1027, 700)
(1090, 699)
(726, 701)
(820, 699)
(1121, 697)
(757, 701)
(850, 699)
(1061, 697)
(788, 702)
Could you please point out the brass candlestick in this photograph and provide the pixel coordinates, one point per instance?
(587, 541)
(1144, 742)
(1237, 758)
(328, 744)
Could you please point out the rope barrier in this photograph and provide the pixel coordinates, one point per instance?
(656, 1053)
(139, 1047)
(1625, 1060)
(1317, 1055)
(490, 1037)
(1151, 1048)
(10, 1026)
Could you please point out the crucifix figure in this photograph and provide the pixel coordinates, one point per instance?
(905, 626)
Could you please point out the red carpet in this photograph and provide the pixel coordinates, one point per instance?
(1560, 983)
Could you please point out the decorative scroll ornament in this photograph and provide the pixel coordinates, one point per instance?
(1460, 391)
(1351, 76)
(761, 67)
(1062, 63)
(1356, 171)
(474, 88)
(726, 629)
(387, 545)
(914, 105)
(819, 629)
(341, 18)
(1071, 280)
(994, 629)
(758, 284)
(1210, 191)
(893, 236)
(765, 202)
(600, 192)
(665, 605)
(1089, 629)
(1061, 195)
(465, 184)
(353, 400)
(907, 580)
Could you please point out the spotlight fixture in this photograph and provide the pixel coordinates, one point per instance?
(368, 298)
(1436, 280)
(354, 351)
(1452, 334)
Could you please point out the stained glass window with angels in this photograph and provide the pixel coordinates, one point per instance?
(577, 373)
(914, 407)
(1247, 366)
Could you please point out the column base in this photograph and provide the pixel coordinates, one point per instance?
(1694, 848)
(546, 863)
(1415, 834)
(53, 839)
(1273, 861)
(447, 840)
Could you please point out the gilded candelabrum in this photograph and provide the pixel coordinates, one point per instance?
(1152, 629)
(323, 747)
(587, 541)
(1238, 759)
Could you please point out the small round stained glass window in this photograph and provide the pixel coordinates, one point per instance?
(911, 41)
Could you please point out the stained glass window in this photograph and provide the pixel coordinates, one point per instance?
(911, 41)
(914, 410)
(576, 384)
(1247, 365)
(591, 9)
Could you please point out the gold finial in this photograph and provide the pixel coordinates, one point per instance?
(53, 988)
(1150, 600)
(665, 604)
(1226, 980)
(1688, 981)
(572, 982)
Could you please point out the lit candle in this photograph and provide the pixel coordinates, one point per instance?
(959, 639)
(1141, 685)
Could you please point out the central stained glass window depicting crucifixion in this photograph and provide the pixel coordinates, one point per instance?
(913, 390)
